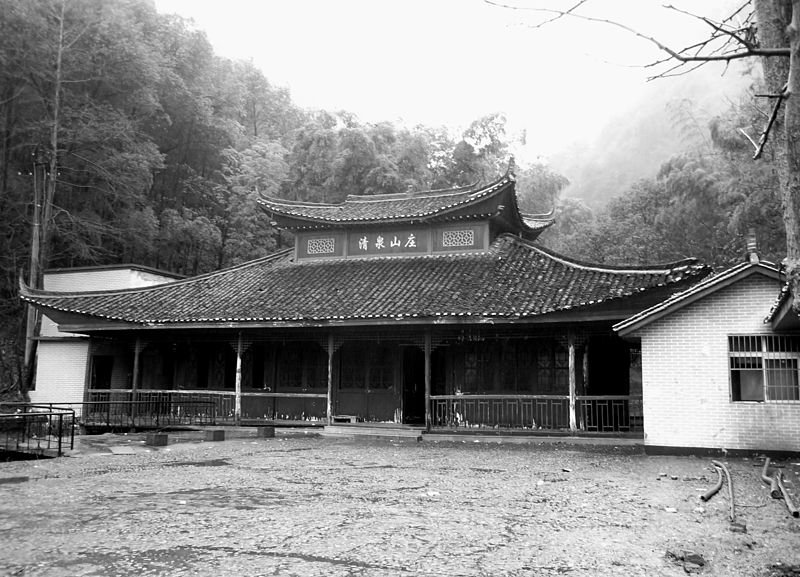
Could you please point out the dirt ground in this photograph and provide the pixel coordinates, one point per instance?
(308, 505)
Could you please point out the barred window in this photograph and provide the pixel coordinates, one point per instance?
(764, 367)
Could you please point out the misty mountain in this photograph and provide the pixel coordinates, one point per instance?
(670, 117)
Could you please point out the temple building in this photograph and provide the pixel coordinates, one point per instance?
(434, 309)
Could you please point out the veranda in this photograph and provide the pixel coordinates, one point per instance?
(583, 379)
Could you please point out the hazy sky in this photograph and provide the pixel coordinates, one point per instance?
(447, 61)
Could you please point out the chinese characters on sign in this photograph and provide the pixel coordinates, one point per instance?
(388, 242)
(410, 242)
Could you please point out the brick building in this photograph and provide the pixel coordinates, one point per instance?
(433, 308)
(720, 365)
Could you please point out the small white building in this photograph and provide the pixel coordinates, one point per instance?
(63, 361)
(719, 368)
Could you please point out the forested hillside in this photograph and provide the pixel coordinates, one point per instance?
(701, 201)
(143, 146)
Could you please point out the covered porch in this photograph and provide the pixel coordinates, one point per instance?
(581, 379)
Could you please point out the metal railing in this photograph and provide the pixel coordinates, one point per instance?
(147, 409)
(36, 429)
(595, 414)
(255, 405)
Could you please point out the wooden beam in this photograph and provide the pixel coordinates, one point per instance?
(428, 380)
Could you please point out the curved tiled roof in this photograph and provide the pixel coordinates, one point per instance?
(401, 207)
(382, 207)
(514, 279)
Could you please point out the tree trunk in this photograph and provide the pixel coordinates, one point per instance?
(791, 184)
(777, 28)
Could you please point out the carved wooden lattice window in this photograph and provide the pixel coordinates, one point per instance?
(321, 246)
(458, 238)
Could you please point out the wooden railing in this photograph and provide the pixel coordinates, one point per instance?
(610, 414)
(597, 414)
(500, 411)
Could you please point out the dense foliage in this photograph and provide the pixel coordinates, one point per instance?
(153, 149)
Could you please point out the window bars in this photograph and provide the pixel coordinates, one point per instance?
(764, 367)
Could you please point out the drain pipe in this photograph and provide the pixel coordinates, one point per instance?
(730, 487)
(777, 490)
(713, 490)
(793, 511)
(774, 490)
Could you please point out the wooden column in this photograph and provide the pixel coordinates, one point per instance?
(585, 384)
(328, 412)
(573, 425)
(428, 380)
(137, 349)
(238, 382)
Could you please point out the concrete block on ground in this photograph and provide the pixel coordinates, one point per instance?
(156, 439)
(215, 435)
(265, 431)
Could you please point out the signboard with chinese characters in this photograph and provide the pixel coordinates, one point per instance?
(372, 242)
(378, 242)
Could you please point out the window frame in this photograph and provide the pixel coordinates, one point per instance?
(762, 350)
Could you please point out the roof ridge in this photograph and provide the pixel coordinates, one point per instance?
(704, 284)
(419, 212)
(577, 263)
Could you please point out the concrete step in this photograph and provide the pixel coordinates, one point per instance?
(362, 430)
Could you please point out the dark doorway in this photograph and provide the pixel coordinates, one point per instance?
(609, 366)
(413, 386)
(102, 367)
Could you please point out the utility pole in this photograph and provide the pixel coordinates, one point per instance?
(34, 273)
(44, 185)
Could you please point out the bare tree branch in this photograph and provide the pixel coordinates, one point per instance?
(713, 49)
(765, 133)
(747, 136)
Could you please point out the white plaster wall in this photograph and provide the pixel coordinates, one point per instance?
(60, 371)
(686, 377)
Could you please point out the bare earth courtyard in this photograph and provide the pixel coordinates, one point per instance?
(308, 505)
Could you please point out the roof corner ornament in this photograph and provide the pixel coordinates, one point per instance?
(512, 167)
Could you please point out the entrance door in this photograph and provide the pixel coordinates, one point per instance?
(413, 386)
(102, 367)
